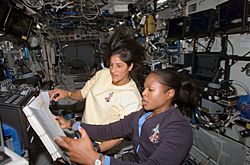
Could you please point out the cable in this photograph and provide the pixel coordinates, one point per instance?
(82, 4)
(59, 61)
(242, 85)
(42, 68)
(203, 118)
(157, 50)
(221, 147)
(38, 5)
(246, 54)
(97, 8)
(230, 43)
(60, 6)
(239, 84)
(201, 45)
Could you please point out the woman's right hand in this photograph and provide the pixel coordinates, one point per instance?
(64, 124)
(79, 150)
(58, 94)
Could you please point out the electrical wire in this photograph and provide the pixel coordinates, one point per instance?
(221, 147)
(236, 114)
(204, 119)
(230, 43)
(38, 5)
(82, 5)
(236, 82)
(59, 61)
(201, 45)
(246, 54)
(42, 68)
(94, 4)
(60, 6)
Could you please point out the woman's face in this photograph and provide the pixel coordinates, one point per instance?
(156, 97)
(119, 70)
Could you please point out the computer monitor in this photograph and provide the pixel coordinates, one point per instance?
(18, 23)
(201, 24)
(206, 66)
(176, 27)
(232, 14)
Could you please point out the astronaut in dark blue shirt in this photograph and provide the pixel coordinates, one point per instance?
(161, 135)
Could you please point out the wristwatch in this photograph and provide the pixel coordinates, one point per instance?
(96, 146)
(98, 161)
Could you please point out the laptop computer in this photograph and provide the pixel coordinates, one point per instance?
(4, 158)
(45, 125)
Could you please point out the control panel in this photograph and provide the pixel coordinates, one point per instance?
(15, 95)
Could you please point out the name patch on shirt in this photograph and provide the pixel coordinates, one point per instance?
(155, 136)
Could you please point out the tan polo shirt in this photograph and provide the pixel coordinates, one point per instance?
(107, 103)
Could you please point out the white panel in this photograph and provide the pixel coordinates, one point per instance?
(204, 4)
(236, 73)
(219, 148)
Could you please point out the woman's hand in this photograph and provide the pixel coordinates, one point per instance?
(64, 124)
(79, 150)
(58, 94)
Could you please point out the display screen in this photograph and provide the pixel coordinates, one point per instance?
(200, 23)
(18, 23)
(206, 66)
(231, 14)
(176, 27)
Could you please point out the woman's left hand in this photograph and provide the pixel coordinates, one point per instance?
(64, 124)
(79, 150)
